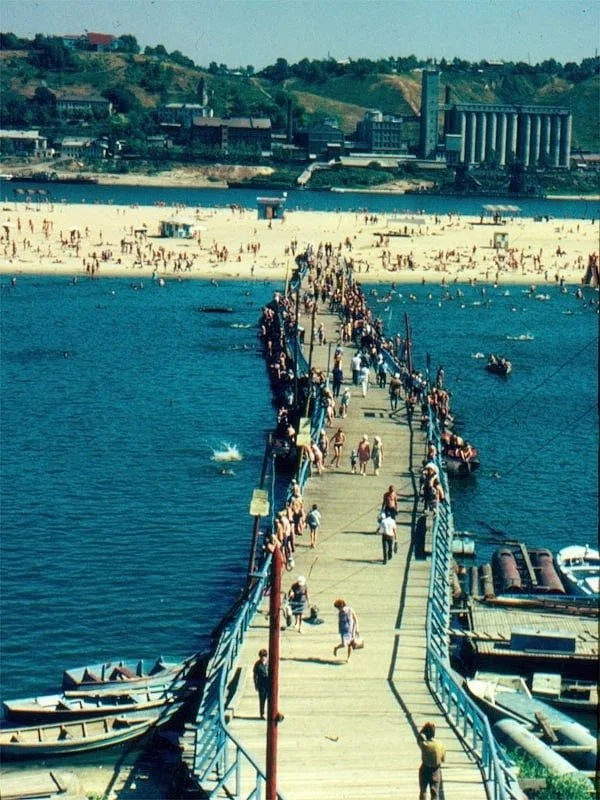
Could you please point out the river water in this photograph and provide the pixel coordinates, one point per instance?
(120, 535)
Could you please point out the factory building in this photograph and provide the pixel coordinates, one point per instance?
(430, 109)
(533, 135)
(479, 132)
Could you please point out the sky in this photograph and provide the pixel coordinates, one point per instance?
(258, 32)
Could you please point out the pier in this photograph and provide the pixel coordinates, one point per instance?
(349, 730)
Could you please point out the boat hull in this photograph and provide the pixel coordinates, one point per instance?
(459, 468)
(84, 705)
(123, 675)
(81, 736)
(579, 568)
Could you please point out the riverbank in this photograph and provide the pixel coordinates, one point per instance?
(78, 240)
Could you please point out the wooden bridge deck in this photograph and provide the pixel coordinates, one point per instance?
(350, 729)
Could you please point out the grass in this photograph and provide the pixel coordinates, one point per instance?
(558, 787)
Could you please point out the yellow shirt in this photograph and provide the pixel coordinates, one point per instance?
(432, 751)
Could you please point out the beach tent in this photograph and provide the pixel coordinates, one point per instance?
(498, 213)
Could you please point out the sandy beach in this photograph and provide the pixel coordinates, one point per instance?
(79, 241)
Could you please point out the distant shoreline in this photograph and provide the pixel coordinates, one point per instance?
(203, 179)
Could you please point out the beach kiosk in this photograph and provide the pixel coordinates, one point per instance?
(271, 207)
(177, 228)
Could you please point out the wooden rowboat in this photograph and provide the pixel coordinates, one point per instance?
(117, 674)
(87, 704)
(509, 696)
(85, 735)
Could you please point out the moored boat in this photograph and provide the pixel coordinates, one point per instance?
(116, 674)
(571, 695)
(579, 567)
(509, 696)
(84, 735)
(460, 457)
(87, 704)
(461, 467)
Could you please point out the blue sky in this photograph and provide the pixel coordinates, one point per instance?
(257, 32)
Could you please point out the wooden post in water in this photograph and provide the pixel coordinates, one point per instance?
(273, 716)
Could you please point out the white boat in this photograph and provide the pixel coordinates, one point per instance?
(579, 566)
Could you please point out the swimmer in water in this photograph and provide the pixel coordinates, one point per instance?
(227, 472)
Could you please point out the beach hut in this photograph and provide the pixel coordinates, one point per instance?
(500, 240)
(177, 228)
(271, 207)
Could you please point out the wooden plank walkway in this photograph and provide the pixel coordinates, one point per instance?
(350, 729)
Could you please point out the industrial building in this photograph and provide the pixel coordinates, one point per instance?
(475, 133)
(381, 133)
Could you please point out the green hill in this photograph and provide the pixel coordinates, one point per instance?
(142, 82)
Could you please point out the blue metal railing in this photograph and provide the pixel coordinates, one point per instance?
(220, 760)
(468, 720)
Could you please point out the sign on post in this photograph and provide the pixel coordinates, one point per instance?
(259, 505)
(303, 436)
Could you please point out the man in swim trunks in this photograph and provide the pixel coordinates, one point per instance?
(389, 504)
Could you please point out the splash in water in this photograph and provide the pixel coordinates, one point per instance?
(228, 452)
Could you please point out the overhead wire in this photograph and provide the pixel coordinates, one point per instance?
(541, 447)
(531, 391)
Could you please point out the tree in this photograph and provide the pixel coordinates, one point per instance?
(178, 57)
(122, 99)
(278, 72)
(50, 53)
(128, 44)
(13, 108)
(8, 41)
(160, 51)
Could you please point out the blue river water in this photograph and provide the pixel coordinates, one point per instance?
(301, 200)
(121, 537)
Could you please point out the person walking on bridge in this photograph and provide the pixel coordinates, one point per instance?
(389, 536)
(433, 754)
(347, 627)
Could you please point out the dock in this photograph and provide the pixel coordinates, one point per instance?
(349, 729)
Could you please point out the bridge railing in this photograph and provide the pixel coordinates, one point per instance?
(468, 720)
(220, 761)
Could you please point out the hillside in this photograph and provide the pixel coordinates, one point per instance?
(146, 81)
